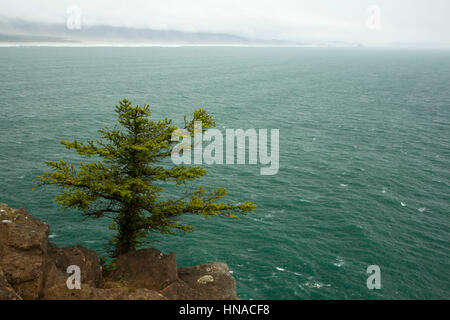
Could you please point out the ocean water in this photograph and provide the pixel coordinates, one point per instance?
(364, 157)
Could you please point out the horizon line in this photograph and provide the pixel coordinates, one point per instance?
(179, 45)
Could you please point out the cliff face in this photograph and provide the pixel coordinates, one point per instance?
(33, 268)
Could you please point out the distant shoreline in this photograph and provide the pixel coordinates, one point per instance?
(185, 45)
(59, 44)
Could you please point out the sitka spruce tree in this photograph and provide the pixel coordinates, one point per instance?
(121, 180)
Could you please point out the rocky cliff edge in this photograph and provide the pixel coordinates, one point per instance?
(32, 268)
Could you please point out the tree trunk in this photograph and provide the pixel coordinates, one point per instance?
(126, 238)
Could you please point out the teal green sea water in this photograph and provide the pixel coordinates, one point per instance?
(364, 157)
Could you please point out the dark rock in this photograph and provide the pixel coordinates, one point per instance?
(61, 258)
(90, 293)
(6, 291)
(146, 268)
(141, 294)
(23, 250)
(54, 277)
(179, 290)
(58, 256)
(87, 260)
(211, 281)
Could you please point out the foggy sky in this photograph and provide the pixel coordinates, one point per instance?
(401, 21)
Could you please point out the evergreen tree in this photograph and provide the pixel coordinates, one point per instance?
(122, 180)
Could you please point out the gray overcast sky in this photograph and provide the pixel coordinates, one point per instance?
(406, 21)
